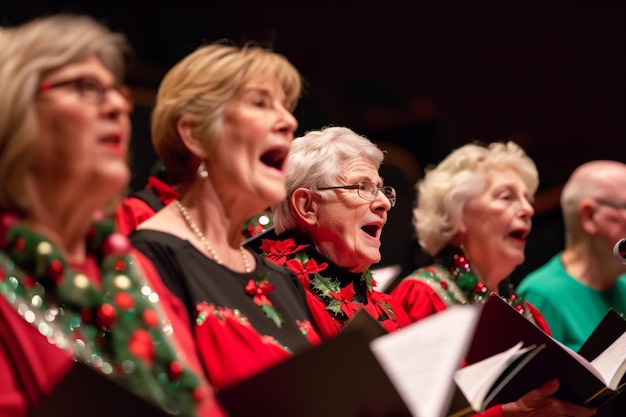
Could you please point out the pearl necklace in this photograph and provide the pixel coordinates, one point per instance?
(194, 228)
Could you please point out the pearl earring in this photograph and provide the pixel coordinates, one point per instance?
(202, 172)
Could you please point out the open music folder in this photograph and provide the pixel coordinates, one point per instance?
(596, 382)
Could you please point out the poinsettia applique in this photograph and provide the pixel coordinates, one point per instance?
(303, 271)
(278, 250)
(259, 290)
(344, 301)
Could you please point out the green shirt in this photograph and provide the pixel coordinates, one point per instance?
(572, 309)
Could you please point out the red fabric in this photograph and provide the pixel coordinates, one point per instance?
(232, 350)
(30, 366)
(539, 319)
(329, 327)
(495, 411)
(131, 211)
(164, 192)
(419, 300)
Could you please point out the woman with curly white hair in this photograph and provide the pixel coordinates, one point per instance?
(473, 215)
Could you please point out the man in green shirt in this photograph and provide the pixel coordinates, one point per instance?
(577, 287)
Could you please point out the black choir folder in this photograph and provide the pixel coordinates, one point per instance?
(85, 392)
(364, 372)
(595, 381)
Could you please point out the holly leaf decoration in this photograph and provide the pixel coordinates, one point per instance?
(367, 277)
(325, 285)
(335, 307)
(390, 312)
(272, 314)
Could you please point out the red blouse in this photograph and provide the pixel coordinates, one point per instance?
(132, 210)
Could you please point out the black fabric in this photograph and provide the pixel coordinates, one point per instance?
(149, 197)
(194, 278)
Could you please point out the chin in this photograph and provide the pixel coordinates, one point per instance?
(514, 262)
(370, 258)
(273, 196)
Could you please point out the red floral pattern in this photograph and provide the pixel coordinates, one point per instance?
(340, 300)
(277, 251)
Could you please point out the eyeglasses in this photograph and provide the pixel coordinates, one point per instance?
(368, 190)
(88, 88)
(613, 204)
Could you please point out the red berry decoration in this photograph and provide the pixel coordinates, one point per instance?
(124, 300)
(106, 315)
(141, 345)
(150, 317)
(116, 244)
(175, 370)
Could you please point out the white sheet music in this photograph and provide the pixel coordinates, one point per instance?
(612, 362)
(421, 359)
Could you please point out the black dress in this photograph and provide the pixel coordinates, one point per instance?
(195, 278)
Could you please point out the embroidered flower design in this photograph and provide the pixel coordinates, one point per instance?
(259, 290)
(305, 326)
(278, 250)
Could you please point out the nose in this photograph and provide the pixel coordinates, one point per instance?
(118, 102)
(287, 122)
(527, 209)
(381, 202)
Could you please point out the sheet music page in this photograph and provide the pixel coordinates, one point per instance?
(589, 365)
(421, 359)
(612, 360)
(476, 379)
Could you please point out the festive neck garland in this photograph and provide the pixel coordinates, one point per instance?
(453, 274)
(343, 293)
(116, 328)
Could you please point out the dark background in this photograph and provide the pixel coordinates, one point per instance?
(419, 78)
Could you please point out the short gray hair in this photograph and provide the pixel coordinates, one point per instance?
(316, 160)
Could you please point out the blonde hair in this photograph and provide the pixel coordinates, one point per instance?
(446, 189)
(200, 86)
(28, 53)
(316, 160)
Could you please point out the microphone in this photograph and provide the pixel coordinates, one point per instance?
(619, 251)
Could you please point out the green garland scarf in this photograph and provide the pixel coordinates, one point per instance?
(117, 328)
(455, 283)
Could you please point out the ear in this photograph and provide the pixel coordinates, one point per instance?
(304, 206)
(459, 236)
(586, 212)
(185, 127)
(458, 239)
